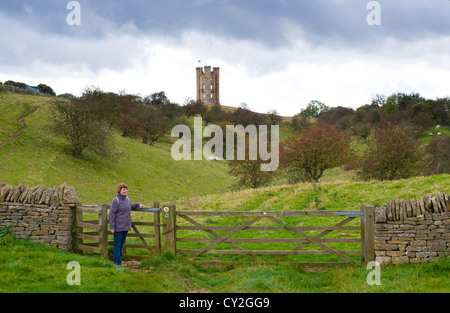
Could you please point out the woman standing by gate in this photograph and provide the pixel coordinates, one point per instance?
(120, 219)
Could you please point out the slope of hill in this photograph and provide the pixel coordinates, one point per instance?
(14, 107)
(333, 195)
(38, 157)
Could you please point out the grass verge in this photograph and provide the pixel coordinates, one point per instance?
(27, 267)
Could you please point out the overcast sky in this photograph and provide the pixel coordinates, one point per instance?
(272, 54)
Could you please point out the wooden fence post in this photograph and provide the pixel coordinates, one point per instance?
(367, 233)
(157, 228)
(173, 241)
(78, 218)
(104, 231)
(169, 235)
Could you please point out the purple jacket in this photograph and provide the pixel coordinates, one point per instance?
(120, 215)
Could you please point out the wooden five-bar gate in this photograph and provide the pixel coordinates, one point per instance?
(230, 237)
(92, 235)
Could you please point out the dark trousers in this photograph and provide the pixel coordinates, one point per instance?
(119, 241)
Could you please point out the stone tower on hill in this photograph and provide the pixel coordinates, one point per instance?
(208, 85)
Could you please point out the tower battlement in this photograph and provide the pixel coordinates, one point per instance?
(208, 85)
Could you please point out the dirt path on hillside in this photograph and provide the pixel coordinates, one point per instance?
(22, 123)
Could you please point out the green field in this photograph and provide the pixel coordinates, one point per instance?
(40, 158)
(28, 267)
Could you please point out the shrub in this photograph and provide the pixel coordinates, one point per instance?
(393, 153)
(438, 152)
(6, 235)
(308, 154)
(249, 170)
(249, 173)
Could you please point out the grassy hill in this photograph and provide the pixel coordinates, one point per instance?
(38, 157)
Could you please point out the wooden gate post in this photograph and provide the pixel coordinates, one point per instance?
(104, 231)
(157, 228)
(169, 234)
(367, 233)
(78, 219)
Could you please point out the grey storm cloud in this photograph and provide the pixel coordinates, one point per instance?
(258, 20)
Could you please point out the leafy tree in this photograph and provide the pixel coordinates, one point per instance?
(46, 89)
(194, 107)
(400, 101)
(437, 159)
(335, 116)
(420, 116)
(273, 117)
(66, 96)
(244, 116)
(77, 122)
(155, 124)
(113, 107)
(170, 109)
(248, 172)
(310, 152)
(439, 110)
(368, 114)
(157, 99)
(16, 84)
(214, 114)
(314, 108)
(378, 100)
(124, 104)
(189, 108)
(299, 122)
(129, 126)
(393, 153)
(223, 126)
(302, 120)
(200, 108)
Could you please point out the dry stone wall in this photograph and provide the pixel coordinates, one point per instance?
(412, 231)
(39, 214)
